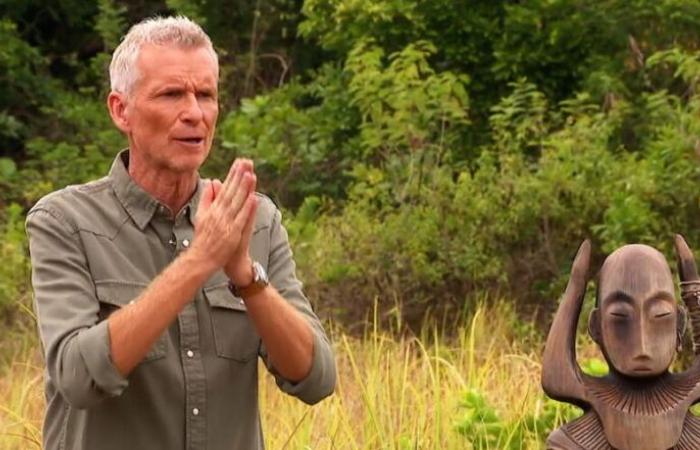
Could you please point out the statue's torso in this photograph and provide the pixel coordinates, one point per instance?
(586, 433)
(635, 416)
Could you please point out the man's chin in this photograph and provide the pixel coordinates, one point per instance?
(188, 161)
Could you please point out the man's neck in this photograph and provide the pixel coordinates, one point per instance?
(172, 189)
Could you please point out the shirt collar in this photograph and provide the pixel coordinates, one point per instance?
(138, 203)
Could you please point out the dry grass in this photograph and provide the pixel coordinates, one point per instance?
(392, 393)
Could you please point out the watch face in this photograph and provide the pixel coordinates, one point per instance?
(260, 274)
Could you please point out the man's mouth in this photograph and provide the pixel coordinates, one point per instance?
(191, 140)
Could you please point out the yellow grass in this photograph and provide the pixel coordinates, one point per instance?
(392, 393)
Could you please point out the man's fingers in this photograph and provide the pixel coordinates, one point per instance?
(216, 187)
(246, 164)
(208, 195)
(248, 228)
(241, 194)
(205, 200)
(231, 171)
(687, 269)
(247, 211)
(253, 183)
(232, 183)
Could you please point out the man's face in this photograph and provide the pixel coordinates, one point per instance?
(638, 314)
(172, 109)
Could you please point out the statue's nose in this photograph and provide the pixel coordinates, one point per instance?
(642, 352)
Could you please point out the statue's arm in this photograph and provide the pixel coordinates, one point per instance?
(690, 288)
(562, 378)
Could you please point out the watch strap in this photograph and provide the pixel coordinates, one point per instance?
(259, 283)
(247, 291)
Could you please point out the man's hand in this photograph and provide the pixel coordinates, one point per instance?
(225, 217)
(240, 267)
(286, 334)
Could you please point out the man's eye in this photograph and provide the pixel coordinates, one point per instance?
(171, 94)
(619, 314)
(662, 314)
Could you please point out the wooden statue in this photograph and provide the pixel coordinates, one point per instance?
(638, 325)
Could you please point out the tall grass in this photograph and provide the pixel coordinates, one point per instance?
(404, 392)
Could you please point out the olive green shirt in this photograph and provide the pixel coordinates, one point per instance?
(94, 248)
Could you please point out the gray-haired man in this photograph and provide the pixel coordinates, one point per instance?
(156, 290)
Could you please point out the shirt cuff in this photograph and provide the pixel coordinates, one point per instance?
(320, 381)
(94, 346)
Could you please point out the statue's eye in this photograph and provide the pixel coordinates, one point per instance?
(660, 310)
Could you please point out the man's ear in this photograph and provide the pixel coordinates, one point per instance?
(116, 103)
(594, 329)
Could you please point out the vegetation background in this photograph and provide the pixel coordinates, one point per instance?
(438, 163)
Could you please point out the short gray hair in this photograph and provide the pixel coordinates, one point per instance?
(179, 31)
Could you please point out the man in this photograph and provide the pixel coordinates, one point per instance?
(151, 284)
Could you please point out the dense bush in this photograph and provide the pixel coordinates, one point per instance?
(424, 152)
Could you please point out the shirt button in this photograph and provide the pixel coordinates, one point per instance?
(190, 353)
(186, 243)
(195, 411)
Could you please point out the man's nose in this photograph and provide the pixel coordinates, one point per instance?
(192, 110)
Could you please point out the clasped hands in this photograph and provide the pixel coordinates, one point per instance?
(224, 223)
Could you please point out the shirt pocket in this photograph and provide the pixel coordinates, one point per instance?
(234, 333)
(113, 296)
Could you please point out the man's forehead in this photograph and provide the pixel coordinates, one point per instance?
(166, 77)
(173, 62)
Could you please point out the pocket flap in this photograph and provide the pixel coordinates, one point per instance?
(118, 294)
(220, 296)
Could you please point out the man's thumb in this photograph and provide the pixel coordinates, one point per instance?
(208, 195)
(216, 186)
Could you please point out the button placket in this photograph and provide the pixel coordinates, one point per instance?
(182, 236)
(195, 384)
(190, 355)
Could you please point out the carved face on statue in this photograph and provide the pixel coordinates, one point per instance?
(637, 321)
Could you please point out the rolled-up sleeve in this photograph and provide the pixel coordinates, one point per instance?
(321, 379)
(76, 345)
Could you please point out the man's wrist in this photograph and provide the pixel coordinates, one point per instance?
(200, 264)
(256, 281)
(242, 274)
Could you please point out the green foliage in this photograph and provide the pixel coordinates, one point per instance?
(190, 8)
(405, 104)
(424, 152)
(485, 429)
(110, 23)
(14, 271)
(595, 367)
(298, 137)
(23, 85)
(512, 219)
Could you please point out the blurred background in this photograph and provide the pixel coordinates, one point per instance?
(438, 163)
